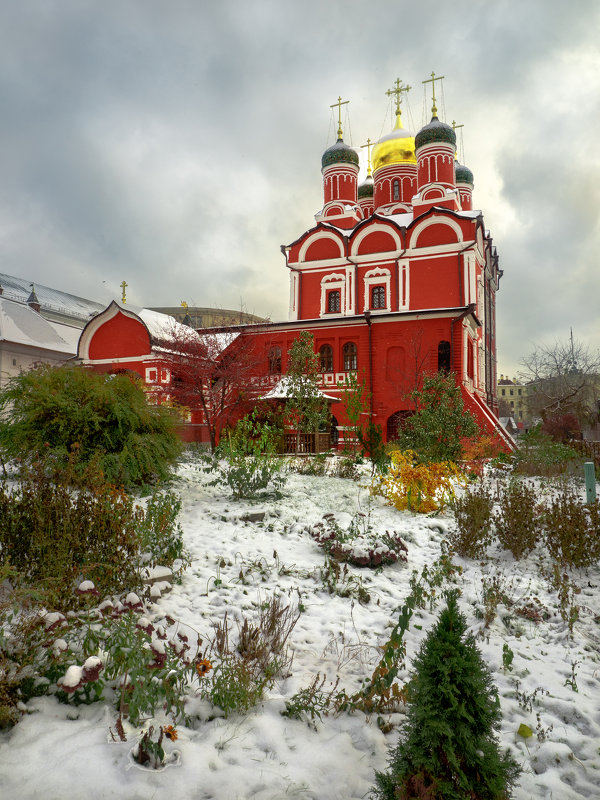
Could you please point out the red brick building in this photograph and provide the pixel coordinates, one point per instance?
(398, 276)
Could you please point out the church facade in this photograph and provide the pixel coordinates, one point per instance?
(398, 276)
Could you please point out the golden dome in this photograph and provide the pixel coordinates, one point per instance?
(397, 147)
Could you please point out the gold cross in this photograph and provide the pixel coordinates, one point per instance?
(455, 125)
(368, 145)
(184, 304)
(432, 81)
(339, 104)
(398, 92)
(123, 286)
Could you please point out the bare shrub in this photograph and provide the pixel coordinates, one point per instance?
(473, 515)
(517, 522)
(572, 531)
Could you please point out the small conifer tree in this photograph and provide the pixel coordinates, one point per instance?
(448, 750)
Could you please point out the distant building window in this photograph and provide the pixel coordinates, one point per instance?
(334, 300)
(444, 356)
(396, 191)
(151, 375)
(350, 356)
(14, 362)
(511, 392)
(519, 393)
(326, 356)
(378, 297)
(503, 392)
(275, 360)
(512, 403)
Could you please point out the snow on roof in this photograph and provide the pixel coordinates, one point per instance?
(22, 325)
(19, 289)
(216, 343)
(281, 391)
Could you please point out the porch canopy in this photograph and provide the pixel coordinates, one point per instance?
(317, 442)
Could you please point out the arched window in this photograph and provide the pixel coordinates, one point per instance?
(350, 356)
(395, 423)
(444, 356)
(378, 297)
(396, 191)
(326, 356)
(275, 360)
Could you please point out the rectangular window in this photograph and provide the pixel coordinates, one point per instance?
(378, 297)
(334, 301)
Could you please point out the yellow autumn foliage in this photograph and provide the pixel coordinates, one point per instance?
(411, 486)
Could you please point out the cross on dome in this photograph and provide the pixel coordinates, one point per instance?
(339, 104)
(432, 81)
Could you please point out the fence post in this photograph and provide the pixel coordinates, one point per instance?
(590, 481)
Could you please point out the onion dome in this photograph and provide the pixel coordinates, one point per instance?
(397, 147)
(463, 174)
(366, 188)
(435, 131)
(339, 153)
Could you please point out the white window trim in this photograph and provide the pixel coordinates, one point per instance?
(376, 277)
(329, 282)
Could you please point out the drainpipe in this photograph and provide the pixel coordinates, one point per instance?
(368, 321)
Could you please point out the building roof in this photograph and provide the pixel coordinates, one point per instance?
(20, 324)
(54, 304)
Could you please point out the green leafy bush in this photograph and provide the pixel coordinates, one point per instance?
(107, 418)
(449, 750)
(161, 535)
(518, 521)
(538, 454)
(247, 459)
(440, 423)
(473, 515)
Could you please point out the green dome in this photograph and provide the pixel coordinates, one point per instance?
(339, 153)
(463, 174)
(435, 131)
(366, 188)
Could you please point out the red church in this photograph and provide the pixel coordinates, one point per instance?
(398, 276)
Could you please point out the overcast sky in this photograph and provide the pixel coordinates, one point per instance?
(176, 145)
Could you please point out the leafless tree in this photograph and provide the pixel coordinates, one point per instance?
(212, 372)
(563, 378)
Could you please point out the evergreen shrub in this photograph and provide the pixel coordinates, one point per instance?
(107, 418)
(448, 749)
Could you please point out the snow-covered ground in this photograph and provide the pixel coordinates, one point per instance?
(553, 687)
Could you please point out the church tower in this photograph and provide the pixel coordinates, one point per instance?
(339, 167)
(435, 146)
(395, 164)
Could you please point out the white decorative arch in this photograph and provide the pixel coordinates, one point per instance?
(436, 220)
(376, 277)
(369, 229)
(317, 237)
(88, 333)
